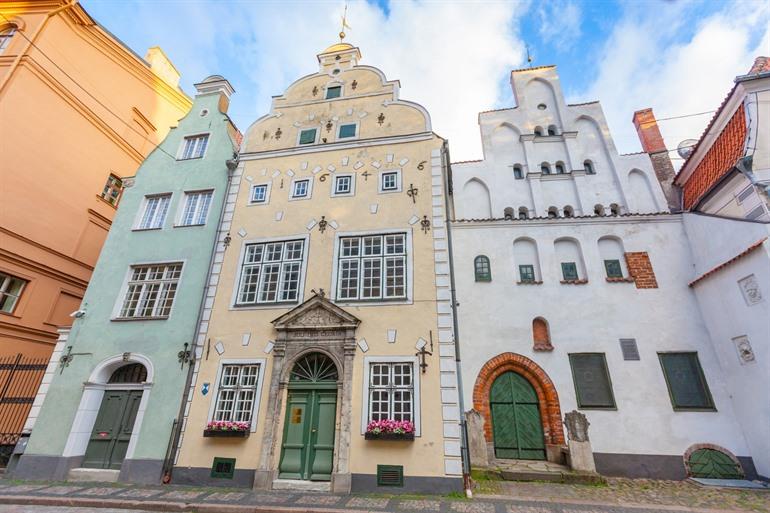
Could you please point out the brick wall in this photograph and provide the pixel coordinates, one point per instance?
(640, 269)
(719, 159)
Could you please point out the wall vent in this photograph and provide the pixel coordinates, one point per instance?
(223, 468)
(756, 213)
(629, 349)
(390, 475)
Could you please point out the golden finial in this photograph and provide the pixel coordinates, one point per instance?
(344, 23)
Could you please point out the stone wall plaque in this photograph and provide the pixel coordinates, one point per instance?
(752, 294)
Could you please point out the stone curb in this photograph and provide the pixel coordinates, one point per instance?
(198, 507)
(630, 505)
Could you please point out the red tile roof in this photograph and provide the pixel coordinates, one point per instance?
(530, 69)
(732, 260)
(720, 158)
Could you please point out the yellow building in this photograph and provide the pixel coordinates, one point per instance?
(336, 277)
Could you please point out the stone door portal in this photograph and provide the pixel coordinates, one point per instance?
(516, 427)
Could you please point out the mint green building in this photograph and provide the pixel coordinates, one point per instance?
(128, 349)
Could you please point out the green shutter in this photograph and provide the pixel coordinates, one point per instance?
(592, 381)
(307, 136)
(686, 382)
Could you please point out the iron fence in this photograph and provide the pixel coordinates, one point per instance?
(20, 379)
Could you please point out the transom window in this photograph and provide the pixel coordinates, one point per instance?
(613, 268)
(569, 271)
(5, 37)
(527, 273)
(307, 136)
(259, 193)
(389, 181)
(271, 272)
(686, 382)
(391, 391)
(196, 208)
(300, 189)
(151, 290)
(155, 211)
(343, 184)
(372, 267)
(10, 292)
(481, 268)
(346, 131)
(236, 393)
(333, 92)
(112, 190)
(194, 146)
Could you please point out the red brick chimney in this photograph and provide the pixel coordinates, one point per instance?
(653, 144)
(761, 65)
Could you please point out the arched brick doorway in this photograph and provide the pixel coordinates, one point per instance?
(548, 399)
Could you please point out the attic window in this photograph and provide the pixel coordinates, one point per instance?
(333, 92)
(541, 106)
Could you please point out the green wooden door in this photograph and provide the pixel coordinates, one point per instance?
(516, 426)
(112, 429)
(712, 464)
(307, 451)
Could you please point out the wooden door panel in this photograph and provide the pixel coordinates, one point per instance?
(295, 434)
(517, 428)
(322, 437)
(126, 428)
(106, 426)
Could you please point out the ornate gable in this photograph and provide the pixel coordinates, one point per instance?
(317, 313)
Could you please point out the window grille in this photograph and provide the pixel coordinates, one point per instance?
(10, 292)
(194, 146)
(391, 391)
(482, 269)
(271, 272)
(569, 271)
(151, 290)
(196, 207)
(236, 393)
(155, 211)
(112, 190)
(372, 267)
(259, 194)
(613, 268)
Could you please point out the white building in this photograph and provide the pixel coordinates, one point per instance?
(572, 251)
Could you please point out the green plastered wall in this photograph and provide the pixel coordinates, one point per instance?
(159, 340)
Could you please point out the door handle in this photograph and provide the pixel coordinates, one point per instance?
(313, 430)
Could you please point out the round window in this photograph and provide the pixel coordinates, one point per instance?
(541, 106)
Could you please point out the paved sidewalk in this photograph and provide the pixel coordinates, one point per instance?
(620, 496)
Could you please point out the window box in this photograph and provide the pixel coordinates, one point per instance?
(573, 282)
(221, 433)
(409, 437)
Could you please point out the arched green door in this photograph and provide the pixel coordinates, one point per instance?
(516, 426)
(307, 451)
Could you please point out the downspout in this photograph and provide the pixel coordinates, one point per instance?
(466, 459)
(166, 479)
(31, 41)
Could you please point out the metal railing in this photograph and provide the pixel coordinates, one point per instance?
(20, 379)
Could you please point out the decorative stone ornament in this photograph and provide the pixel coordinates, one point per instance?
(745, 351)
(577, 426)
(752, 294)
(278, 133)
(381, 119)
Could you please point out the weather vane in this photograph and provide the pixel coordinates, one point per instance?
(344, 23)
(529, 57)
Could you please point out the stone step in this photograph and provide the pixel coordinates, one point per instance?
(93, 475)
(554, 477)
(300, 485)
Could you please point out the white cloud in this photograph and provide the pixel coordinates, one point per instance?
(560, 23)
(646, 64)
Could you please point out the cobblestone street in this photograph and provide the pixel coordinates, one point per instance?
(618, 496)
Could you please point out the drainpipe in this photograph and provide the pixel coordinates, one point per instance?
(31, 41)
(466, 457)
(166, 479)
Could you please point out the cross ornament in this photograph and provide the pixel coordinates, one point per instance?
(412, 192)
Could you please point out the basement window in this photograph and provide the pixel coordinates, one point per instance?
(223, 468)
(390, 475)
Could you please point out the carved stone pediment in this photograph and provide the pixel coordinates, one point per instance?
(317, 313)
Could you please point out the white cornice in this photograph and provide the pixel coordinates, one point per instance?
(598, 220)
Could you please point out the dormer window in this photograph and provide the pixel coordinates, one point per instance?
(545, 169)
(518, 172)
(559, 169)
(551, 130)
(308, 136)
(588, 167)
(539, 131)
(333, 92)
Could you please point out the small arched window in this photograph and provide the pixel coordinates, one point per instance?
(518, 172)
(553, 212)
(6, 35)
(569, 211)
(559, 168)
(615, 209)
(545, 168)
(589, 167)
(481, 268)
(552, 130)
(508, 213)
(523, 213)
(539, 131)
(541, 337)
(598, 210)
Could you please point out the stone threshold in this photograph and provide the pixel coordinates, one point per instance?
(300, 485)
(93, 475)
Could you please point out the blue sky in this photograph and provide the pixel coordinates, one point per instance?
(454, 57)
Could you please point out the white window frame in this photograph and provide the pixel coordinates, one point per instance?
(368, 360)
(7, 35)
(140, 213)
(179, 218)
(302, 129)
(339, 127)
(5, 280)
(214, 391)
(124, 288)
(307, 196)
(381, 178)
(234, 305)
(180, 152)
(351, 192)
(374, 302)
(268, 186)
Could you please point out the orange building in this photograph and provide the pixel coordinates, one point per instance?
(79, 111)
